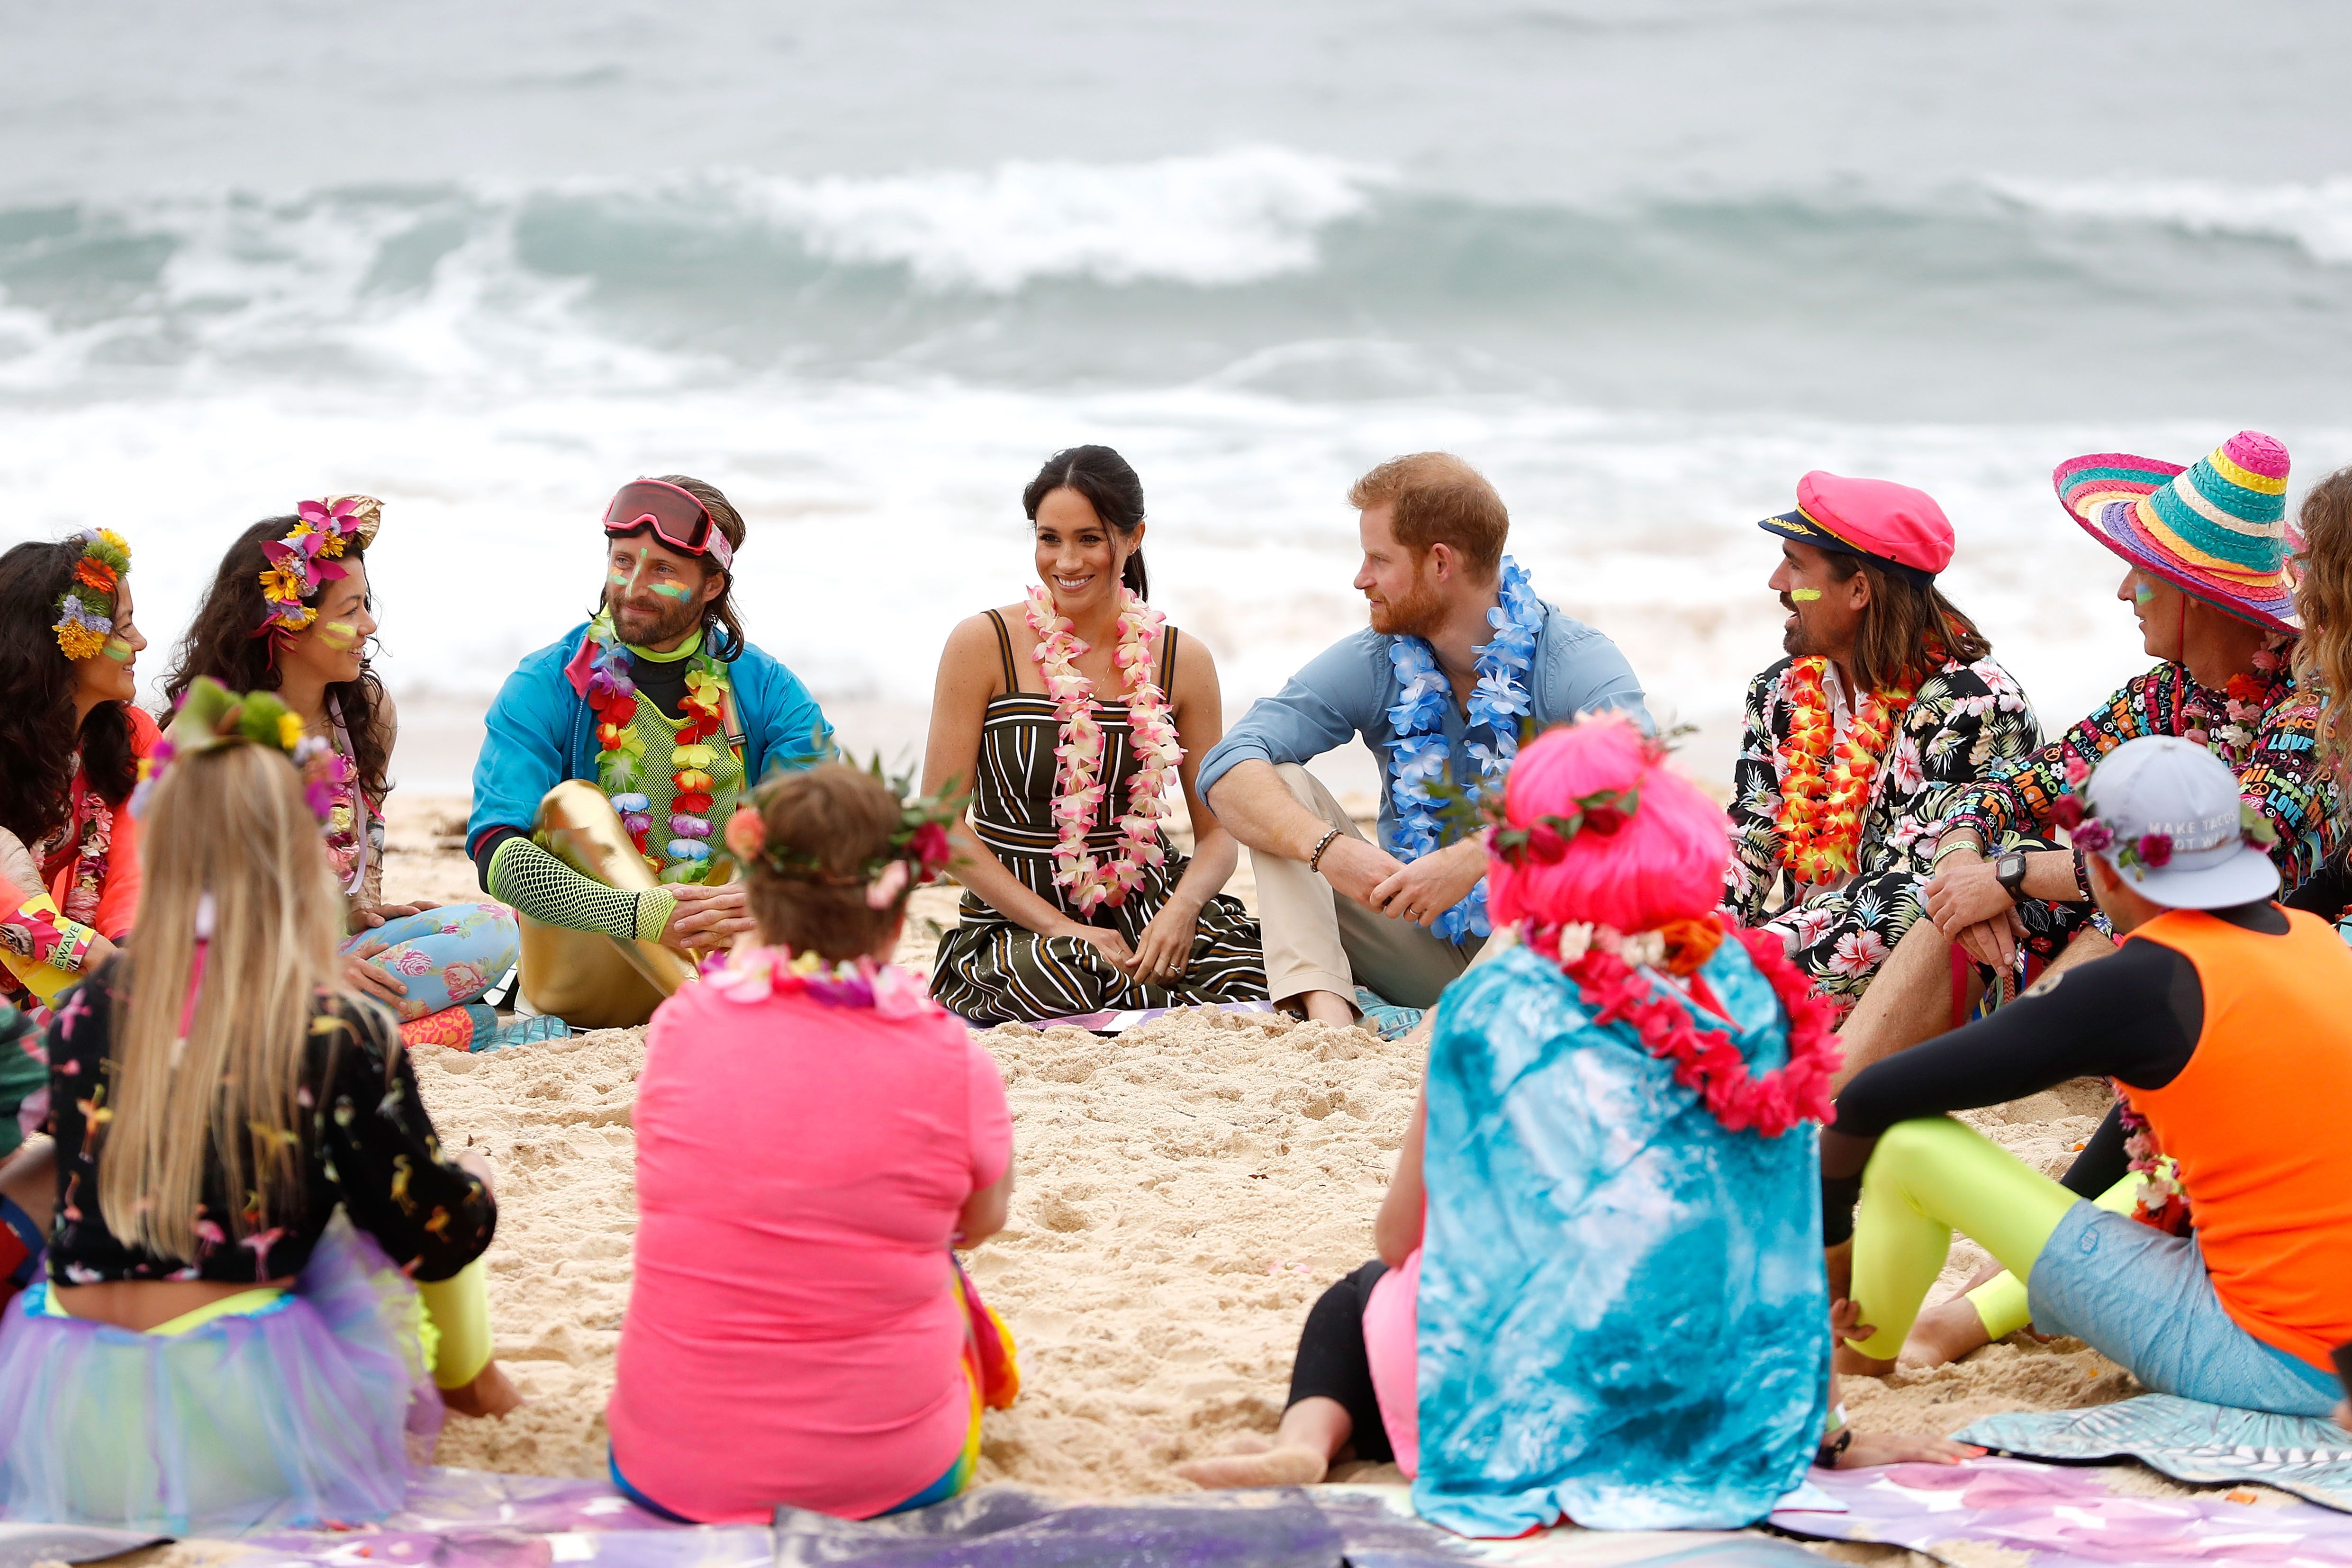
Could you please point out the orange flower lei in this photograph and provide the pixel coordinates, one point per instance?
(1821, 807)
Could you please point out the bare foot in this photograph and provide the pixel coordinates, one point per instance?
(1944, 1334)
(1270, 1466)
(491, 1393)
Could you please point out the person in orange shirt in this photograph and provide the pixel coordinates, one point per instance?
(2221, 1020)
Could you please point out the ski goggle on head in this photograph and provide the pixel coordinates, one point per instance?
(676, 516)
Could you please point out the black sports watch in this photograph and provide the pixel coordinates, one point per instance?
(2009, 869)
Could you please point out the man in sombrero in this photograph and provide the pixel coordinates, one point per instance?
(2207, 550)
(1888, 709)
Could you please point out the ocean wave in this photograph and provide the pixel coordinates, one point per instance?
(1266, 268)
(2316, 217)
(1212, 220)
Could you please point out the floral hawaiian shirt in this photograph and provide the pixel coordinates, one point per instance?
(1966, 721)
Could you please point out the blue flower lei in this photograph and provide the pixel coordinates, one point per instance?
(1421, 757)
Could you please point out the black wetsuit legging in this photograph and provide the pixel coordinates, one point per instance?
(1332, 1365)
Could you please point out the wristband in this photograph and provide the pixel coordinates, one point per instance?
(1954, 848)
(1315, 861)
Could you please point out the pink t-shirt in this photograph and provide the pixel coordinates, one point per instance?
(1393, 1347)
(792, 1334)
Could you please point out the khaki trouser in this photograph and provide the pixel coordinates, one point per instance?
(1316, 940)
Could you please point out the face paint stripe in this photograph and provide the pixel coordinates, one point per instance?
(339, 634)
(1804, 595)
(676, 591)
(118, 650)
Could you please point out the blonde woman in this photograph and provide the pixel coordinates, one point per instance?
(213, 1344)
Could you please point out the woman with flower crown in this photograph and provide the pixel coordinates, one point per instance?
(1598, 1292)
(71, 746)
(291, 612)
(1076, 717)
(815, 1135)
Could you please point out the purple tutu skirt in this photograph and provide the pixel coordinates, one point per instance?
(309, 1411)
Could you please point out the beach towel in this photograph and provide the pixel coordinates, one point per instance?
(1623, 1316)
(2189, 1440)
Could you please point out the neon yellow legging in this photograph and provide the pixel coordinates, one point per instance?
(1926, 1179)
(457, 1325)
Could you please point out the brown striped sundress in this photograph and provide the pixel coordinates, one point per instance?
(994, 970)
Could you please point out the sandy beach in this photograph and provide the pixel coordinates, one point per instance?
(1184, 1192)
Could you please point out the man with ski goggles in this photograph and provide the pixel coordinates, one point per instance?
(613, 756)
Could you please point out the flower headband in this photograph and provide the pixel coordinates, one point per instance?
(1545, 841)
(917, 852)
(211, 716)
(305, 559)
(86, 609)
(2149, 851)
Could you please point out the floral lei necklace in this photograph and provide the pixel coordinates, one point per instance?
(1078, 790)
(90, 858)
(1421, 756)
(2244, 704)
(1603, 964)
(1822, 808)
(613, 696)
(749, 974)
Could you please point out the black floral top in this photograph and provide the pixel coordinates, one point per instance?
(366, 1145)
(2275, 755)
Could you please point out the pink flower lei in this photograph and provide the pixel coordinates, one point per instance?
(1079, 789)
(751, 975)
(1602, 964)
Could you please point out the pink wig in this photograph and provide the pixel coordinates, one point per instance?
(1666, 862)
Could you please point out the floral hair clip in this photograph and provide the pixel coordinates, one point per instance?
(86, 609)
(917, 851)
(2149, 851)
(211, 716)
(305, 559)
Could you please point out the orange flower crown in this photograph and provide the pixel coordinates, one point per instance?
(86, 609)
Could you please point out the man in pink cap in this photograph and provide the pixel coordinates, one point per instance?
(1887, 709)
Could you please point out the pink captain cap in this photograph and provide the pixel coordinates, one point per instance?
(1891, 524)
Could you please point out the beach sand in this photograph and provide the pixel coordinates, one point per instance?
(1185, 1192)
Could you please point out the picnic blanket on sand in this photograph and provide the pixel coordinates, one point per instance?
(2047, 1516)
(2189, 1440)
(2053, 1516)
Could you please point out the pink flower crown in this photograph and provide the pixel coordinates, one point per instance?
(211, 716)
(917, 852)
(305, 560)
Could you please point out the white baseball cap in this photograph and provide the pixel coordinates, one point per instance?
(2166, 813)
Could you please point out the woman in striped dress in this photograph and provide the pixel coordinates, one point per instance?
(1073, 719)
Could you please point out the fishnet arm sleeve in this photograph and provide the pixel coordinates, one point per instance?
(536, 882)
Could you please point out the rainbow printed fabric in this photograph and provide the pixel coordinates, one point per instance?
(2216, 529)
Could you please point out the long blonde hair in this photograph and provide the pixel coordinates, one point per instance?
(230, 822)
(2322, 600)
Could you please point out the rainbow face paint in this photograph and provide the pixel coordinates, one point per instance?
(677, 591)
(338, 635)
(1804, 595)
(119, 650)
(2143, 592)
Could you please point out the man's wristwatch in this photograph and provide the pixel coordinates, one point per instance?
(2009, 869)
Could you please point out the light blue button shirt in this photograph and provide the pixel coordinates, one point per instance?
(1348, 689)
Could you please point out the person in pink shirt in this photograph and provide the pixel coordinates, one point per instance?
(814, 1137)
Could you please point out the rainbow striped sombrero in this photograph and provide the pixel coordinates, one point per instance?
(2216, 529)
